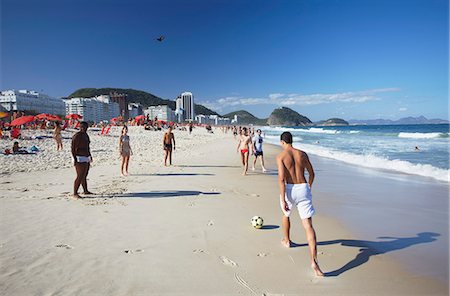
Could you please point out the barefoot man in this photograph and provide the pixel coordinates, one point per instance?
(294, 191)
(243, 147)
(81, 158)
(257, 148)
(169, 137)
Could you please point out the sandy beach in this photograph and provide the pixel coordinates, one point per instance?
(185, 229)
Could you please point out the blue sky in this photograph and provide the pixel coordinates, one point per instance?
(354, 59)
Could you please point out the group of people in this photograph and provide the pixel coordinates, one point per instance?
(82, 157)
(295, 190)
(250, 144)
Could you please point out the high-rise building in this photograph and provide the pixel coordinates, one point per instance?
(28, 100)
(121, 99)
(188, 105)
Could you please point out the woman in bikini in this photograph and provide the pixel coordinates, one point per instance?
(243, 147)
(125, 150)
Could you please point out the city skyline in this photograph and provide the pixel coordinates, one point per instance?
(347, 59)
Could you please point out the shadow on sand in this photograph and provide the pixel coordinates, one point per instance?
(207, 166)
(181, 174)
(373, 248)
(161, 194)
(269, 227)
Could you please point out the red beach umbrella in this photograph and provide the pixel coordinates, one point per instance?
(42, 116)
(114, 119)
(139, 117)
(22, 120)
(74, 116)
(53, 118)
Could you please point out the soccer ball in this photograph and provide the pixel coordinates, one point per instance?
(257, 222)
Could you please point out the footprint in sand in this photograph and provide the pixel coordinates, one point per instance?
(199, 251)
(227, 261)
(68, 247)
(243, 283)
(262, 254)
(133, 251)
(253, 195)
(210, 223)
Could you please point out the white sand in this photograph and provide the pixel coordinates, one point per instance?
(182, 230)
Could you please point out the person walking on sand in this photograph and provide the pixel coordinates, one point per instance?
(258, 151)
(82, 158)
(168, 138)
(125, 150)
(57, 136)
(295, 191)
(243, 147)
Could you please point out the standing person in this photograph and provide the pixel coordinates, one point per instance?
(244, 147)
(190, 127)
(82, 158)
(257, 148)
(168, 138)
(57, 136)
(295, 191)
(125, 150)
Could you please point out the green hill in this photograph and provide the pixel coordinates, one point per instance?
(332, 122)
(287, 117)
(137, 96)
(245, 117)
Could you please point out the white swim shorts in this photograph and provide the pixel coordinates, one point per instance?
(298, 195)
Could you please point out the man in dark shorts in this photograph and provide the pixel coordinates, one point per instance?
(168, 139)
(257, 147)
(82, 158)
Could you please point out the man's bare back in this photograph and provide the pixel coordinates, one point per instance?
(294, 163)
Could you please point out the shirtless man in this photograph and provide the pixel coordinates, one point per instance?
(168, 138)
(243, 147)
(295, 191)
(81, 159)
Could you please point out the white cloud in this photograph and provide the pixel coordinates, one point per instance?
(402, 109)
(294, 99)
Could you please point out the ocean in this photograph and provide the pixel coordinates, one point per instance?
(390, 147)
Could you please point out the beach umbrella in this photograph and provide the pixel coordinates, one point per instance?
(140, 117)
(74, 116)
(114, 119)
(54, 118)
(42, 116)
(22, 120)
(4, 114)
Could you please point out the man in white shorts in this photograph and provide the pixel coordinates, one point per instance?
(295, 191)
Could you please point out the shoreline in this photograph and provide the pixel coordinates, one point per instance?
(186, 229)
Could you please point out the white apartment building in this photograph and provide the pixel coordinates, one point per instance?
(28, 100)
(212, 120)
(134, 109)
(163, 112)
(93, 109)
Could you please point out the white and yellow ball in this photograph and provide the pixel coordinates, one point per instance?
(257, 222)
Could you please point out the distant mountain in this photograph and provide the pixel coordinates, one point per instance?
(406, 120)
(287, 117)
(136, 96)
(245, 117)
(332, 122)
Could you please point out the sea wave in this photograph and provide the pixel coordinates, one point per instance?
(378, 162)
(422, 135)
(315, 130)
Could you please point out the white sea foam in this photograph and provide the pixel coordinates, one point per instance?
(421, 135)
(378, 162)
(354, 132)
